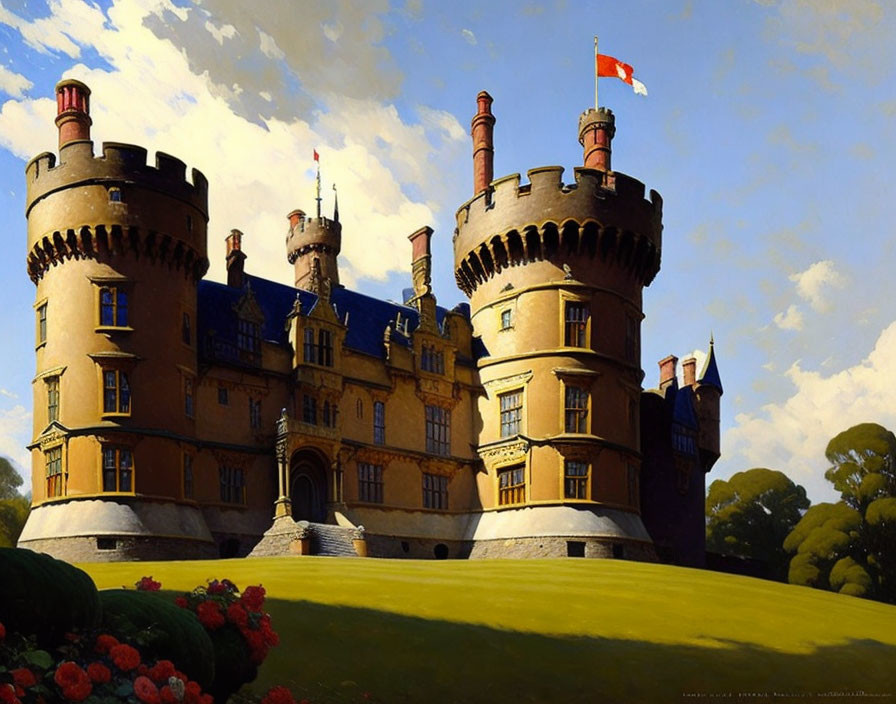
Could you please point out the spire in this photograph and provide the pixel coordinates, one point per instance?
(710, 374)
(335, 204)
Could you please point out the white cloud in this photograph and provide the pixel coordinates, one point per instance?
(12, 83)
(812, 283)
(15, 433)
(228, 31)
(792, 435)
(258, 168)
(468, 36)
(332, 30)
(790, 319)
(8, 394)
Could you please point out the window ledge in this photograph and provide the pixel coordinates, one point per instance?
(39, 345)
(114, 415)
(107, 329)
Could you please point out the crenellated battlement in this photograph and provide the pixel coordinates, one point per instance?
(118, 164)
(313, 234)
(512, 222)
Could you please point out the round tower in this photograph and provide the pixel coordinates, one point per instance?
(554, 273)
(311, 240)
(115, 249)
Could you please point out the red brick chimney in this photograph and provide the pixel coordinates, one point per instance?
(295, 216)
(235, 258)
(72, 111)
(689, 369)
(421, 261)
(667, 371)
(482, 131)
(596, 131)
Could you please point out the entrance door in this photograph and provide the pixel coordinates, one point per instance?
(308, 487)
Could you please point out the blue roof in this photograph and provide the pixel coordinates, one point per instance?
(710, 374)
(367, 316)
(683, 411)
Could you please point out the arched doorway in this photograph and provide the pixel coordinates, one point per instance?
(308, 486)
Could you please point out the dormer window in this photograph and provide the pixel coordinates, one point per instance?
(317, 347)
(432, 360)
(248, 340)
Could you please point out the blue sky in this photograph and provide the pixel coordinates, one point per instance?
(767, 131)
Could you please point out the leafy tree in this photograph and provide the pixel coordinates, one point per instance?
(13, 506)
(850, 546)
(751, 514)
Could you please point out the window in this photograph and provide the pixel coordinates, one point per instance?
(511, 412)
(370, 483)
(248, 339)
(233, 485)
(438, 430)
(330, 412)
(576, 410)
(188, 476)
(576, 324)
(115, 195)
(435, 491)
(309, 409)
(254, 414)
(379, 423)
(506, 319)
(222, 396)
(42, 324)
(52, 399)
(116, 392)
(113, 307)
(310, 349)
(631, 339)
(683, 441)
(53, 462)
(188, 397)
(325, 348)
(118, 469)
(432, 360)
(512, 485)
(575, 480)
(186, 332)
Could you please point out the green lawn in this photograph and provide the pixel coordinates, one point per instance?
(547, 631)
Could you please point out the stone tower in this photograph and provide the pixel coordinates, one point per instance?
(115, 249)
(312, 246)
(554, 273)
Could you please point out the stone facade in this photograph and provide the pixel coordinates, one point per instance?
(178, 418)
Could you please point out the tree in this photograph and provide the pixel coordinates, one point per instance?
(752, 513)
(850, 547)
(13, 506)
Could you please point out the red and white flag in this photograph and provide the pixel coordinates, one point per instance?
(608, 67)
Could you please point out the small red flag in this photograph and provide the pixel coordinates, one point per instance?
(608, 67)
(316, 156)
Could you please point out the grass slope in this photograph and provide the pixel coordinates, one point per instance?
(547, 631)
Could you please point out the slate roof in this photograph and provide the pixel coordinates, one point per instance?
(368, 317)
(710, 374)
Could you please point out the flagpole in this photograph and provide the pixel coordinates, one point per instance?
(318, 189)
(595, 72)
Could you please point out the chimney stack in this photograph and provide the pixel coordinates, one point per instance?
(482, 131)
(72, 111)
(235, 259)
(596, 131)
(421, 261)
(689, 369)
(667, 371)
(295, 217)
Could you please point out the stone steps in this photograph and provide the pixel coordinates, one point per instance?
(331, 540)
(326, 539)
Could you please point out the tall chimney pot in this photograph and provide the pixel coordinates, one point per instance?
(72, 111)
(482, 131)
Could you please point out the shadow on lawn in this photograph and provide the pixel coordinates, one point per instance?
(337, 654)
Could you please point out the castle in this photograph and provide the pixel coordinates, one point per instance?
(181, 418)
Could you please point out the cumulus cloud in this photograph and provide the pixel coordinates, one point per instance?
(813, 284)
(225, 110)
(468, 36)
(12, 83)
(792, 435)
(790, 319)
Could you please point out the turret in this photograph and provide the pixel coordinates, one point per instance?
(596, 131)
(708, 390)
(116, 249)
(311, 240)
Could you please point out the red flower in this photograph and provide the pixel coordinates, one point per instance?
(278, 695)
(166, 694)
(206, 699)
(125, 657)
(210, 615)
(253, 598)
(99, 673)
(148, 584)
(181, 602)
(192, 693)
(161, 671)
(8, 695)
(2, 631)
(216, 587)
(23, 677)
(105, 643)
(146, 691)
(74, 682)
(237, 614)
